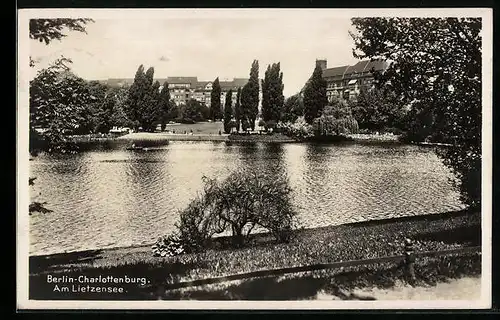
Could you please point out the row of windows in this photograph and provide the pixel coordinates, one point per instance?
(199, 93)
(335, 85)
(181, 96)
(197, 96)
(179, 85)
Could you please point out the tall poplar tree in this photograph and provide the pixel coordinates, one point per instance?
(237, 110)
(315, 96)
(228, 111)
(150, 111)
(164, 105)
(250, 96)
(215, 105)
(135, 95)
(272, 93)
(143, 104)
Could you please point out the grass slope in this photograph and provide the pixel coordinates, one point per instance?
(328, 244)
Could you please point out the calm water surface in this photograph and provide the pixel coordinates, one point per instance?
(108, 196)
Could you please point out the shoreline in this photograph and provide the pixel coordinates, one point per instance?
(214, 137)
(163, 136)
(357, 224)
(274, 138)
(355, 241)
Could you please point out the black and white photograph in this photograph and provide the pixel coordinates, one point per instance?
(254, 158)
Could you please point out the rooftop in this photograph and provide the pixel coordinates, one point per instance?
(361, 66)
(332, 72)
(233, 85)
(192, 81)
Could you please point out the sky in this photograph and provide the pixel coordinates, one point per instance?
(204, 45)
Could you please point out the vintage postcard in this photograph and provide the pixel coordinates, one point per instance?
(254, 158)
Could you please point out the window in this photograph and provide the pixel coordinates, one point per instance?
(346, 95)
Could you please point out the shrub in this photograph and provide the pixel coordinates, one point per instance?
(196, 224)
(330, 126)
(336, 119)
(186, 121)
(271, 124)
(245, 125)
(168, 246)
(299, 130)
(244, 200)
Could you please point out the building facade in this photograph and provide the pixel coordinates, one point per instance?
(182, 89)
(346, 82)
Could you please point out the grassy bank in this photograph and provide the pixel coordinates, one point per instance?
(272, 138)
(164, 136)
(276, 137)
(213, 131)
(321, 245)
(94, 137)
(205, 128)
(374, 137)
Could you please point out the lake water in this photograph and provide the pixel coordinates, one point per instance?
(108, 196)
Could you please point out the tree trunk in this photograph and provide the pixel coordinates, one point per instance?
(237, 236)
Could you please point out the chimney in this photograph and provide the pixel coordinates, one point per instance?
(321, 63)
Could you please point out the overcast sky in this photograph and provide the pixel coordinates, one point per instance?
(205, 46)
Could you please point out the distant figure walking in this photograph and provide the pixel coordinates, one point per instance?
(220, 132)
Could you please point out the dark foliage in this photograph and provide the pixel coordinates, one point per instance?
(272, 93)
(228, 112)
(215, 104)
(315, 96)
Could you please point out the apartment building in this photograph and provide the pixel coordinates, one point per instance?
(184, 88)
(346, 81)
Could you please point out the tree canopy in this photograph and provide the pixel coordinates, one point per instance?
(293, 108)
(250, 97)
(315, 96)
(47, 30)
(58, 99)
(272, 93)
(144, 106)
(336, 119)
(215, 103)
(228, 111)
(237, 110)
(438, 74)
(164, 105)
(377, 109)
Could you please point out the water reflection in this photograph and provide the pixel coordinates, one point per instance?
(113, 197)
(267, 158)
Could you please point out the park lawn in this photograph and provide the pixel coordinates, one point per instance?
(197, 128)
(355, 241)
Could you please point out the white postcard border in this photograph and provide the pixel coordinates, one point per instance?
(23, 42)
